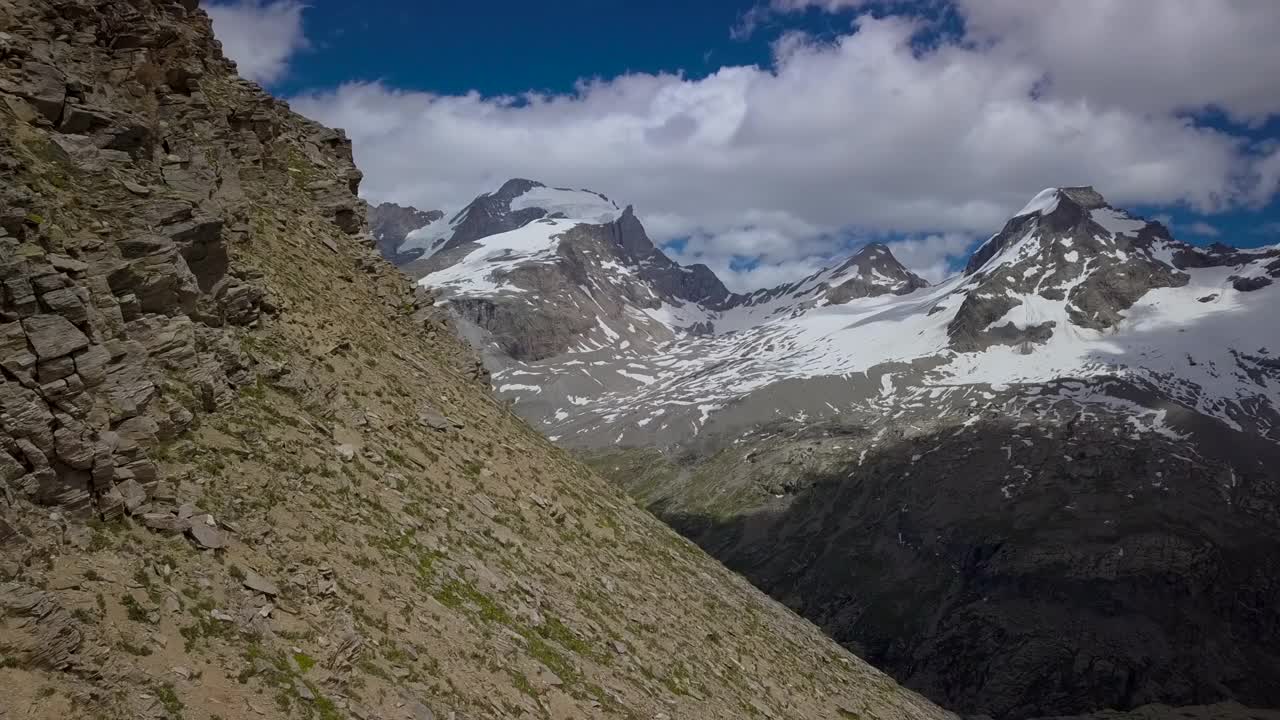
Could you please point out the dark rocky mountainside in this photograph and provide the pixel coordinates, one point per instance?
(225, 495)
(1007, 568)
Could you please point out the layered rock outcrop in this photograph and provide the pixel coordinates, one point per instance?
(126, 143)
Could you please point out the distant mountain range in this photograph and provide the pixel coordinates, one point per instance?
(566, 292)
(1046, 485)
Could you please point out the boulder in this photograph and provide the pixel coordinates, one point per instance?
(62, 263)
(53, 336)
(72, 449)
(133, 493)
(44, 86)
(256, 582)
(67, 303)
(430, 417)
(206, 535)
(91, 365)
(56, 369)
(10, 469)
(165, 522)
(20, 108)
(15, 352)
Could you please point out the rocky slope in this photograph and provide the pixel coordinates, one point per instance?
(1045, 486)
(226, 496)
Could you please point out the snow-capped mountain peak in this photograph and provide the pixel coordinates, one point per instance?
(1069, 211)
(871, 271)
(541, 270)
(565, 203)
(1046, 201)
(515, 204)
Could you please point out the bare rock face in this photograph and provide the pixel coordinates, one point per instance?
(391, 223)
(41, 85)
(121, 163)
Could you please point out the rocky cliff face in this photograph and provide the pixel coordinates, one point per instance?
(123, 205)
(225, 495)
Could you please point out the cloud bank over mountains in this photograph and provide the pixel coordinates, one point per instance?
(897, 128)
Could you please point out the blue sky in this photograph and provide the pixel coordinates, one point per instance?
(513, 47)
(767, 136)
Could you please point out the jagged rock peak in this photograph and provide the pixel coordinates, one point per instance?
(868, 257)
(1069, 248)
(869, 272)
(1080, 212)
(391, 207)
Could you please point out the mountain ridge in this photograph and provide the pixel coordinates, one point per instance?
(667, 298)
(1057, 269)
(447, 238)
(1045, 209)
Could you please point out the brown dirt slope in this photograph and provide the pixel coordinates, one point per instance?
(247, 472)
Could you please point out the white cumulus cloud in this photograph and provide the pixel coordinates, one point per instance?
(1154, 56)
(863, 135)
(261, 37)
